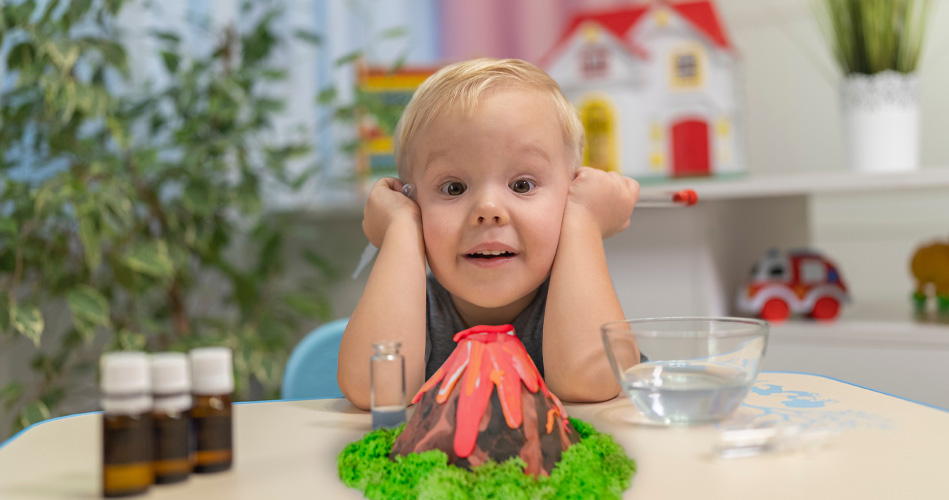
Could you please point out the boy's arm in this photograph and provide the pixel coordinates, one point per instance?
(581, 296)
(392, 306)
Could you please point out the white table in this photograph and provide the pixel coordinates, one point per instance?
(886, 448)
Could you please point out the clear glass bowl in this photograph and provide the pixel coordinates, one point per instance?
(698, 370)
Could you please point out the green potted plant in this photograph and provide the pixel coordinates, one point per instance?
(877, 44)
(131, 216)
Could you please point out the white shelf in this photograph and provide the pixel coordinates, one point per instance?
(806, 183)
(350, 204)
(906, 334)
(904, 358)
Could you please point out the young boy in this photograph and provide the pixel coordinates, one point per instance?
(511, 227)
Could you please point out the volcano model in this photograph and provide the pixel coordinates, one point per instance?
(471, 422)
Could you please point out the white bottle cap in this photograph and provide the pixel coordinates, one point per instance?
(126, 382)
(171, 381)
(211, 371)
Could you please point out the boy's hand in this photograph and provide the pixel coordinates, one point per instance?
(607, 198)
(386, 204)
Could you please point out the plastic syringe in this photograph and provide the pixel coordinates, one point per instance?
(663, 199)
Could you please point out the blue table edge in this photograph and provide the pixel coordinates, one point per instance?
(22, 431)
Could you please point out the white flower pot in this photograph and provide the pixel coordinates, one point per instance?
(881, 121)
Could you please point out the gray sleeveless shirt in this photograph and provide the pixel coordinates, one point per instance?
(442, 323)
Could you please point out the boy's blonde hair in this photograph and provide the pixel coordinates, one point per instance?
(462, 84)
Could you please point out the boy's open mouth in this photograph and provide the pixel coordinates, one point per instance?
(490, 254)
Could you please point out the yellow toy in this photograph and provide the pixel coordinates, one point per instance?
(930, 266)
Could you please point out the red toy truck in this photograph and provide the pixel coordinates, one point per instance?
(800, 281)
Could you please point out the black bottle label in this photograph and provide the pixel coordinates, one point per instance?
(171, 438)
(127, 443)
(213, 433)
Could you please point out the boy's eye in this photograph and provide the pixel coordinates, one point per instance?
(522, 186)
(453, 188)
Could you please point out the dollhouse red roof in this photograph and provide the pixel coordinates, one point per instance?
(700, 13)
(615, 21)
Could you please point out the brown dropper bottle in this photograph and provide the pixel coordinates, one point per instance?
(212, 382)
(126, 424)
(171, 417)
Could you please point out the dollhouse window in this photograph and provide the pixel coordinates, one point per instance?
(687, 68)
(594, 61)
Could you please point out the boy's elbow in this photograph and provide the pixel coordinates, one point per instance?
(594, 386)
(358, 398)
(589, 394)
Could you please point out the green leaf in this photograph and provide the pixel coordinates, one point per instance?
(308, 305)
(326, 95)
(274, 74)
(48, 12)
(309, 37)
(397, 32)
(399, 63)
(327, 268)
(33, 413)
(4, 317)
(44, 198)
(269, 259)
(348, 58)
(21, 56)
(126, 340)
(168, 36)
(78, 8)
(269, 105)
(28, 321)
(115, 55)
(118, 210)
(88, 305)
(11, 393)
(8, 226)
(151, 258)
(90, 241)
(113, 6)
(197, 197)
(53, 396)
(171, 60)
(19, 12)
(246, 292)
(118, 131)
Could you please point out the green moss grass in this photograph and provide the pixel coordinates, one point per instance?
(596, 467)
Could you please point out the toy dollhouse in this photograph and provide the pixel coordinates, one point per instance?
(656, 88)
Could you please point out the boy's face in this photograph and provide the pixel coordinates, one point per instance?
(492, 189)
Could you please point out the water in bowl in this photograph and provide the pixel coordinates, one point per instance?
(676, 392)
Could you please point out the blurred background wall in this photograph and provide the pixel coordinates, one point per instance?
(790, 90)
(791, 107)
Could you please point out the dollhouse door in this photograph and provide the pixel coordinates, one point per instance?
(599, 124)
(690, 148)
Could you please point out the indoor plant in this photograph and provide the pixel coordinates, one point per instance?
(131, 215)
(877, 45)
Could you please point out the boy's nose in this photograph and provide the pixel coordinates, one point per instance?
(489, 210)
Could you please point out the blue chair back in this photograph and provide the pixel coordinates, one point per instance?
(311, 368)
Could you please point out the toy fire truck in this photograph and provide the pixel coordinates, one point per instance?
(798, 281)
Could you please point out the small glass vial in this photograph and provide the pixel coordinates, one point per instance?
(387, 385)
(171, 417)
(212, 382)
(126, 424)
